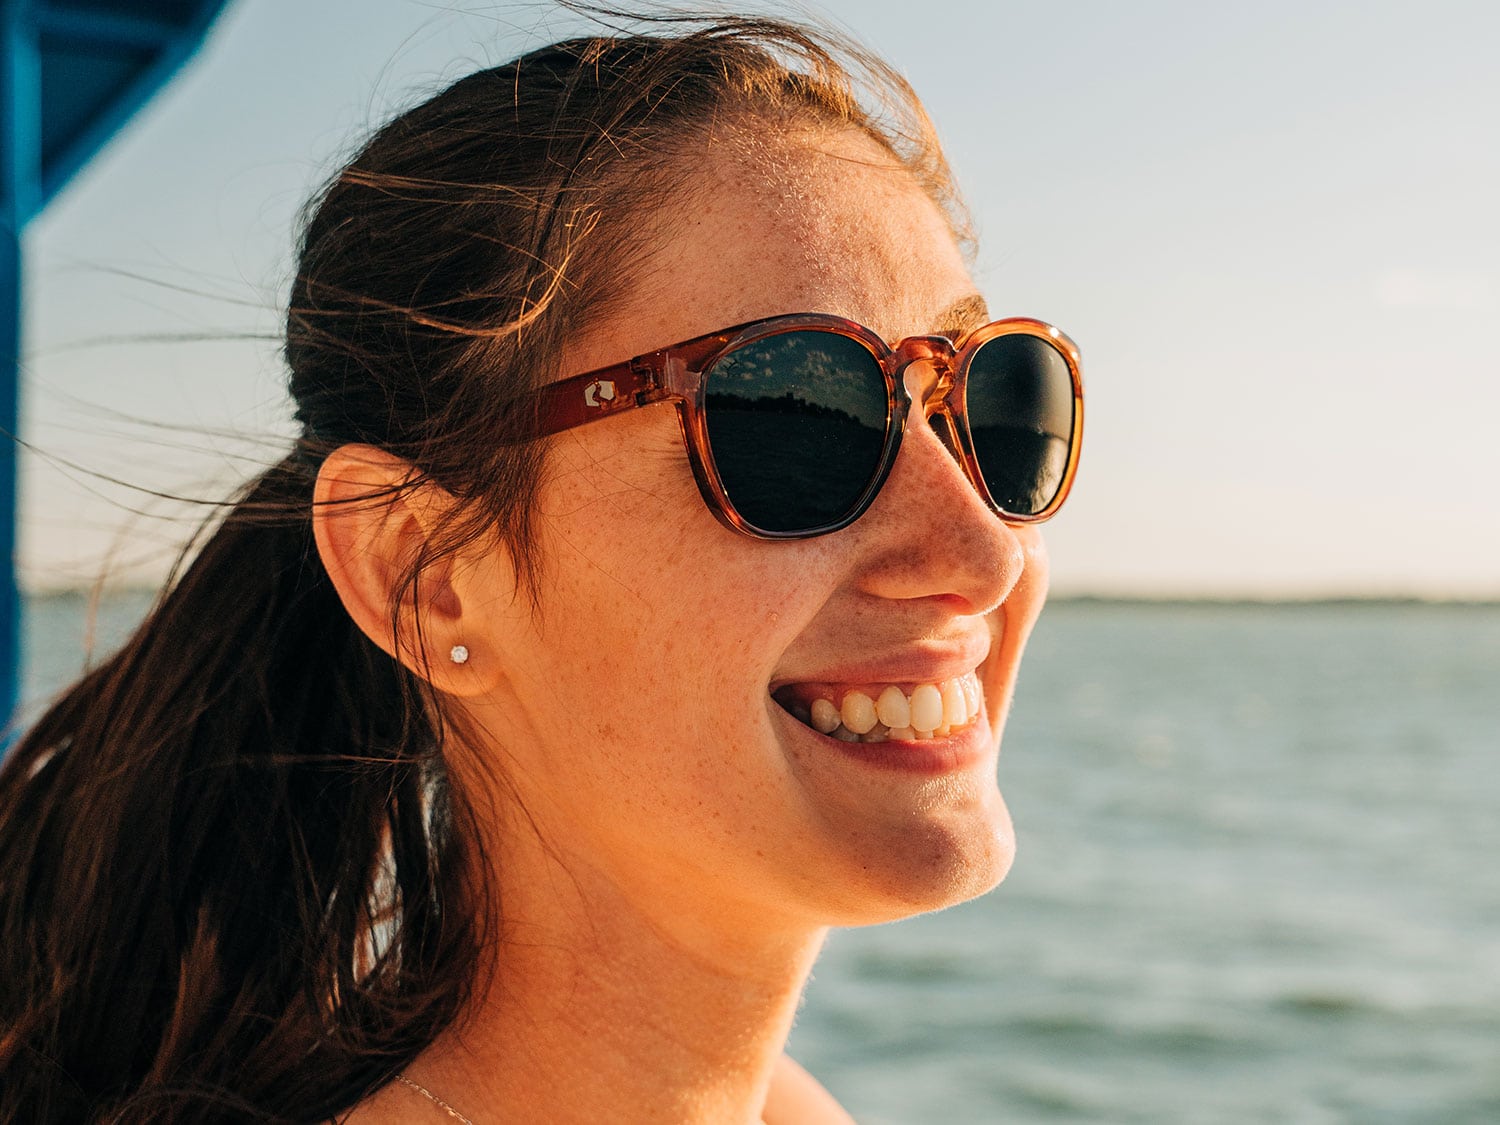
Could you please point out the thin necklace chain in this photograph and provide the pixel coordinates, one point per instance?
(433, 1098)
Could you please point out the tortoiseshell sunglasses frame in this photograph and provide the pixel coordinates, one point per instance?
(675, 374)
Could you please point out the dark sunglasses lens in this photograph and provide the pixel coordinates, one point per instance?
(1020, 405)
(796, 423)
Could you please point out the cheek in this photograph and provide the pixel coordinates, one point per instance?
(653, 752)
(658, 631)
(638, 566)
(1030, 594)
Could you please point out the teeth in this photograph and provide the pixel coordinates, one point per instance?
(971, 695)
(926, 708)
(892, 707)
(858, 712)
(955, 710)
(931, 710)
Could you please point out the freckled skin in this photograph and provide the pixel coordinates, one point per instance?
(633, 721)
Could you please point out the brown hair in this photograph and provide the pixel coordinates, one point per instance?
(234, 872)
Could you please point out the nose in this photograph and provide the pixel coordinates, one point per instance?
(931, 534)
(927, 382)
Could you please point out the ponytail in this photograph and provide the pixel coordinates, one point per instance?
(206, 845)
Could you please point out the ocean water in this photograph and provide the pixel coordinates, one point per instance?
(1258, 881)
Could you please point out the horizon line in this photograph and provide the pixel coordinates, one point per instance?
(1062, 597)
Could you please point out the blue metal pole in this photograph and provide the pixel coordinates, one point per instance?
(155, 45)
(10, 351)
(20, 187)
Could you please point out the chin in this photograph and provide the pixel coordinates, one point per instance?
(939, 861)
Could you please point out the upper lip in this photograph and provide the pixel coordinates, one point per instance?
(924, 662)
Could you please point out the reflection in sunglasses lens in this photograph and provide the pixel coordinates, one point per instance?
(1020, 406)
(796, 423)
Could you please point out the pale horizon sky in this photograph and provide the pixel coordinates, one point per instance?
(1271, 228)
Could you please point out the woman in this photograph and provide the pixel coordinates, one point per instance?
(508, 750)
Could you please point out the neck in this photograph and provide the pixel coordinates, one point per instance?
(599, 1010)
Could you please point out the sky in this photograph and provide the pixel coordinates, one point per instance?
(1271, 228)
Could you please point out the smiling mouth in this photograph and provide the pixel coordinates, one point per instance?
(885, 712)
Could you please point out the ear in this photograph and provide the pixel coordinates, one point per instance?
(371, 524)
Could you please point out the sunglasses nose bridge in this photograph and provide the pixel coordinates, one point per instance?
(924, 365)
(926, 373)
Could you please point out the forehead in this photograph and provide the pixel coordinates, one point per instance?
(767, 225)
(834, 204)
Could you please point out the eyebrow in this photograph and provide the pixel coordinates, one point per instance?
(961, 317)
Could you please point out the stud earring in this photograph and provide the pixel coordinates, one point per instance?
(458, 654)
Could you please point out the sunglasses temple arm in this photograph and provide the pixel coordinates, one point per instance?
(593, 395)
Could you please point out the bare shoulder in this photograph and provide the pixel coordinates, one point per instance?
(797, 1098)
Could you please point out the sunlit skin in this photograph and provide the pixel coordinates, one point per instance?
(669, 845)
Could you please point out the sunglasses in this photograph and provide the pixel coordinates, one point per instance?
(792, 424)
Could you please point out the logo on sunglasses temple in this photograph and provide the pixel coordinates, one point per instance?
(599, 392)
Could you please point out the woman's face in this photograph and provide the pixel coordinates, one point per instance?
(641, 711)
